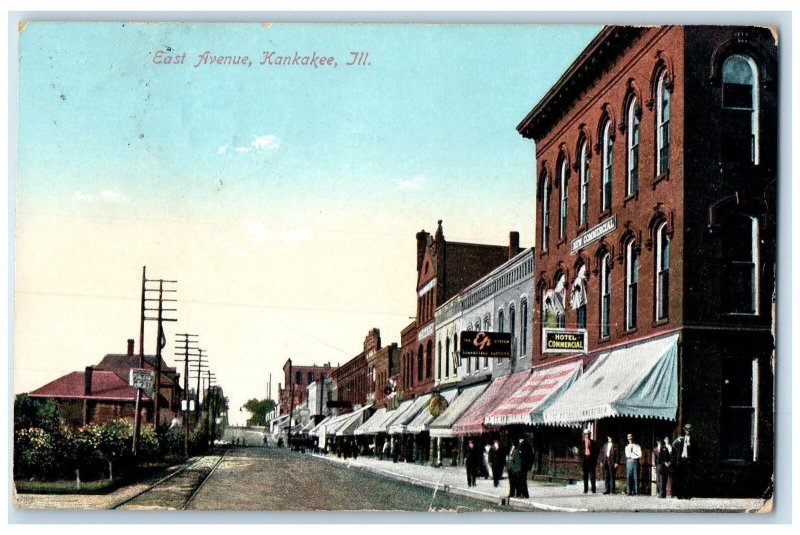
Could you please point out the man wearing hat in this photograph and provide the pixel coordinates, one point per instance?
(587, 453)
(684, 450)
(633, 452)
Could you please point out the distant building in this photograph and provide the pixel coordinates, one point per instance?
(297, 379)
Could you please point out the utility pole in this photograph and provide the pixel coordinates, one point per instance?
(188, 352)
(159, 345)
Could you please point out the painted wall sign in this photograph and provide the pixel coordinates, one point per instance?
(594, 234)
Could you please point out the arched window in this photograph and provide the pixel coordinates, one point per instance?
(662, 119)
(632, 182)
(608, 165)
(486, 327)
(420, 365)
(298, 378)
(605, 293)
(512, 323)
(579, 297)
(545, 211)
(564, 185)
(740, 110)
(662, 272)
(631, 283)
(439, 361)
(447, 357)
(456, 360)
(583, 214)
(740, 263)
(523, 307)
(560, 295)
(429, 360)
(310, 378)
(501, 322)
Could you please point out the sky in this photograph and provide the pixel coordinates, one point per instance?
(284, 199)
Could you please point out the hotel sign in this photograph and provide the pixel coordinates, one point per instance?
(594, 234)
(565, 341)
(485, 344)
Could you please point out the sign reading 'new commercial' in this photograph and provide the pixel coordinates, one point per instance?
(565, 341)
(594, 234)
(485, 344)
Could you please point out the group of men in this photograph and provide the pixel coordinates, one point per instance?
(672, 459)
(517, 461)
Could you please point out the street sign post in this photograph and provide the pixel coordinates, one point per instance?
(143, 379)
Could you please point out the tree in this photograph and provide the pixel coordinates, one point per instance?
(258, 410)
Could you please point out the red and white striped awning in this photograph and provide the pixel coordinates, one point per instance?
(527, 403)
(471, 422)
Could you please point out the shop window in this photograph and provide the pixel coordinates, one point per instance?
(739, 110)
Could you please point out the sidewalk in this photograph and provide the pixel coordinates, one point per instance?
(543, 496)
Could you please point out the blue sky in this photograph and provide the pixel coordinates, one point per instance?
(284, 199)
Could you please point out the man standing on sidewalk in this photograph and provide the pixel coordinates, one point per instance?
(683, 454)
(473, 461)
(497, 459)
(609, 458)
(588, 457)
(633, 452)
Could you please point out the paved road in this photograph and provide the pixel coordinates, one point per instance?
(261, 479)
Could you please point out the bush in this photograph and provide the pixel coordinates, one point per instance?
(148, 443)
(33, 452)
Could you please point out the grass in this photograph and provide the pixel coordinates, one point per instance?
(101, 486)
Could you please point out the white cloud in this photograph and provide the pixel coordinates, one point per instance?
(266, 142)
(107, 196)
(412, 184)
(222, 150)
(242, 149)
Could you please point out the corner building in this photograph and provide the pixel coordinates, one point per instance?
(656, 207)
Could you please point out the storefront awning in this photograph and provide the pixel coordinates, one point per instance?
(423, 419)
(399, 424)
(341, 422)
(639, 380)
(540, 390)
(356, 419)
(315, 431)
(371, 426)
(443, 425)
(471, 422)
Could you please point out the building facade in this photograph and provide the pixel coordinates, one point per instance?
(296, 381)
(656, 190)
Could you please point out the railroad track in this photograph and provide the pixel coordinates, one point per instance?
(175, 491)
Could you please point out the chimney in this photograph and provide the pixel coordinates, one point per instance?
(130, 347)
(513, 244)
(87, 381)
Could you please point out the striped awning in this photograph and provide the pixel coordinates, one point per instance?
(399, 424)
(372, 426)
(423, 419)
(356, 419)
(342, 422)
(443, 425)
(639, 380)
(542, 387)
(471, 422)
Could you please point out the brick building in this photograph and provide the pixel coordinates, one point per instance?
(383, 367)
(656, 203)
(443, 269)
(354, 382)
(297, 379)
